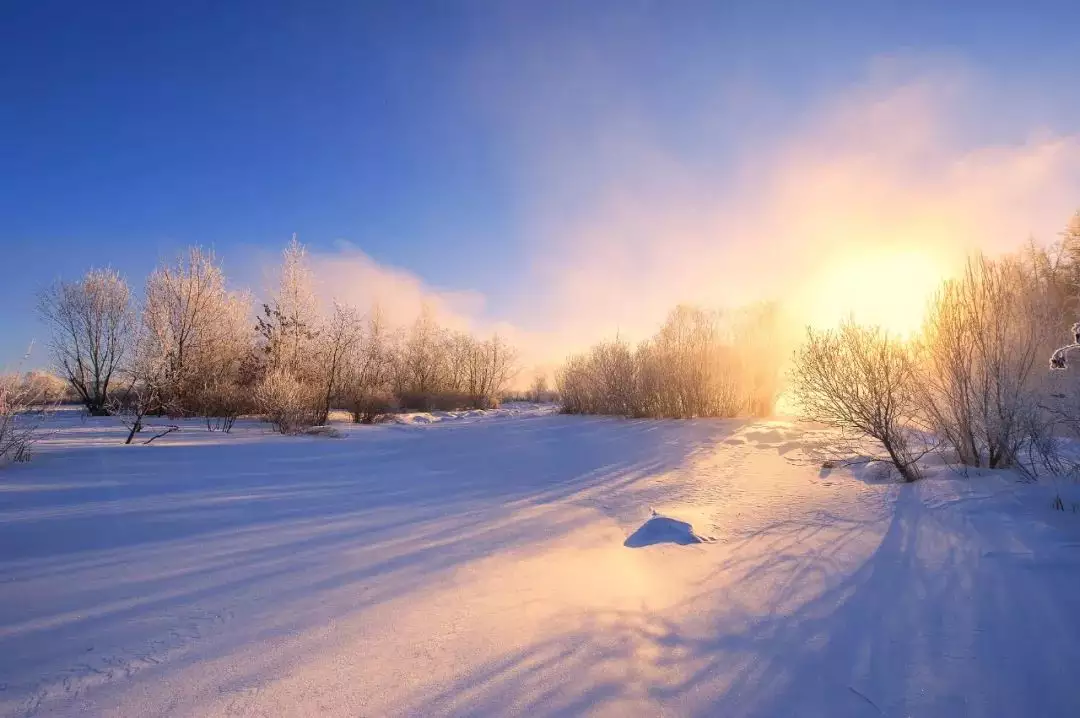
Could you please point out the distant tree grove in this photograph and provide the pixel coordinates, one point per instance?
(190, 346)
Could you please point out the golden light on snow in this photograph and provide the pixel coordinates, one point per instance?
(889, 288)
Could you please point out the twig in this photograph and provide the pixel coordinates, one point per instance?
(863, 696)
(168, 430)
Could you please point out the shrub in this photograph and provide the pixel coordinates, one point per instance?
(440, 401)
(370, 408)
(291, 406)
(23, 408)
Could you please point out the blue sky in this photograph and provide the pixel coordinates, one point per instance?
(437, 137)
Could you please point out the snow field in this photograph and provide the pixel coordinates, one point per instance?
(477, 566)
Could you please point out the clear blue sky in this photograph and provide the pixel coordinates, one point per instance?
(131, 129)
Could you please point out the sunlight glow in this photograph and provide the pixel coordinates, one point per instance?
(889, 288)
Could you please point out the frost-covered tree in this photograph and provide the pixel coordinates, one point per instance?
(862, 382)
(1068, 256)
(290, 391)
(492, 366)
(144, 389)
(759, 347)
(368, 372)
(340, 336)
(195, 328)
(92, 323)
(288, 326)
(538, 391)
(421, 364)
(1060, 358)
(981, 348)
(222, 391)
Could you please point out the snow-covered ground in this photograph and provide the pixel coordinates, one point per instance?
(485, 566)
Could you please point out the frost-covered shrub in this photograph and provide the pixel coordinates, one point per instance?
(370, 408)
(575, 382)
(604, 381)
(438, 401)
(432, 367)
(221, 402)
(290, 405)
(23, 408)
(43, 388)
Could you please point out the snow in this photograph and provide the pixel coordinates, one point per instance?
(508, 410)
(664, 529)
(476, 565)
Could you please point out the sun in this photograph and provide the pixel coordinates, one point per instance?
(889, 288)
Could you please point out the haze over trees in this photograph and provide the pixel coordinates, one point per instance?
(701, 363)
(973, 380)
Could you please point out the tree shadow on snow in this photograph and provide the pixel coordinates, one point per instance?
(956, 612)
(116, 556)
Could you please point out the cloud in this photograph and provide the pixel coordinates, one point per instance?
(353, 277)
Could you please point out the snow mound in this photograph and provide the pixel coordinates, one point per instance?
(875, 471)
(419, 417)
(663, 529)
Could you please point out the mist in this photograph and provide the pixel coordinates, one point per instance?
(859, 206)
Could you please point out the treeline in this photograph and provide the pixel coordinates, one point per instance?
(973, 381)
(191, 347)
(700, 364)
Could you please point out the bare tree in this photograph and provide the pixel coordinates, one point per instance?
(421, 363)
(501, 366)
(615, 378)
(92, 322)
(47, 388)
(574, 382)
(539, 390)
(337, 340)
(143, 392)
(860, 381)
(461, 352)
(984, 337)
(368, 374)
